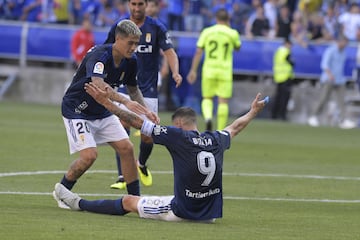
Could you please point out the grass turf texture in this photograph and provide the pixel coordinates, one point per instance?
(270, 176)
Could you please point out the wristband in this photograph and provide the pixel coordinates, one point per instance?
(266, 99)
(147, 128)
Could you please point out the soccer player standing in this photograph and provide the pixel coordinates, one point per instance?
(197, 160)
(218, 42)
(155, 37)
(87, 122)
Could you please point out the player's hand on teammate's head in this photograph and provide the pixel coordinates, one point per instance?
(191, 77)
(178, 79)
(101, 96)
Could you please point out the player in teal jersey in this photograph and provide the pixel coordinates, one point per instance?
(218, 42)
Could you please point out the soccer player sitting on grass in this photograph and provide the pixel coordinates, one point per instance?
(197, 160)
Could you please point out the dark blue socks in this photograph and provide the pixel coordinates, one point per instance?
(145, 151)
(68, 184)
(133, 188)
(112, 207)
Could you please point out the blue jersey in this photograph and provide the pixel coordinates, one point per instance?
(198, 162)
(154, 37)
(98, 62)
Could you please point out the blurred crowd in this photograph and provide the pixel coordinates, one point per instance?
(299, 20)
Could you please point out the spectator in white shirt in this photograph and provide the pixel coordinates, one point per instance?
(270, 11)
(350, 22)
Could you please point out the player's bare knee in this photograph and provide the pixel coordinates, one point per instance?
(126, 147)
(130, 203)
(126, 201)
(89, 156)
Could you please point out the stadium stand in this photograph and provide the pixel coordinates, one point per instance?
(46, 42)
(32, 41)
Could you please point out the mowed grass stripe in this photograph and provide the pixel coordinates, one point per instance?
(225, 197)
(277, 175)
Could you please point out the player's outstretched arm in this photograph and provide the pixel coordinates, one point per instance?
(136, 95)
(239, 124)
(108, 90)
(133, 106)
(101, 96)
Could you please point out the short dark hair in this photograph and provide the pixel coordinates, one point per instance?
(222, 15)
(186, 113)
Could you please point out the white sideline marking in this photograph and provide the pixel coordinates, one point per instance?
(11, 174)
(280, 175)
(225, 197)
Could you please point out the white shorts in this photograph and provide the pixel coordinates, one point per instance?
(84, 134)
(158, 208)
(151, 103)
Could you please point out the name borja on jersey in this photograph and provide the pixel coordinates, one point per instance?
(202, 141)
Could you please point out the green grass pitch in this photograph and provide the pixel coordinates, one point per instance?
(281, 181)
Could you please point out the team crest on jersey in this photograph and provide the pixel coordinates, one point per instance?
(148, 37)
(99, 68)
